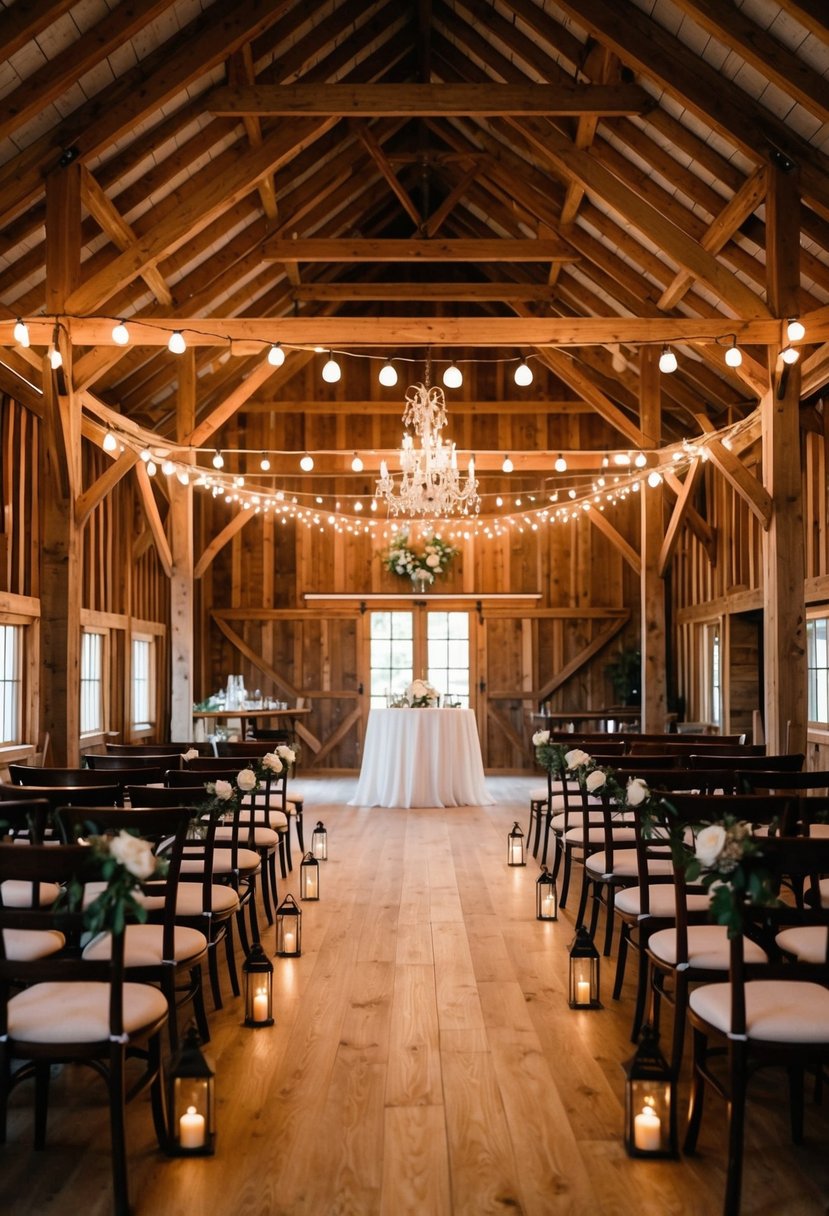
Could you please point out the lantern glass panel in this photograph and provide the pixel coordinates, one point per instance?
(515, 847)
(546, 900)
(191, 1107)
(288, 929)
(648, 1118)
(309, 878)
(319, 843)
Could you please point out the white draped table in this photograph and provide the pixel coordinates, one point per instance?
(421, 757)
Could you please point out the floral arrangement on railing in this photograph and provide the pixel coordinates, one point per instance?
(423, 566)
(727, 859)
(125, 863)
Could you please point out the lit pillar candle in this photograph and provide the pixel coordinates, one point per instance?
(548, 908)
(290, 940)
(647, 1130)
(191, 1129)
(260, 1006)
(583, 992)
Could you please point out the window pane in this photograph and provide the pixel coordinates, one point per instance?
(448, 651)
(10, 683)
(817, 649)
(391, 655)
(142, 682)
(92, 684)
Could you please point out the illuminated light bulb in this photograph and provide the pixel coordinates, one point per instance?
(146, 455)
(183, 477)
(388, 374)
(358, 506)
(560, 465)
(667, 360)
(641, 460)
(238, 482)
(618, 361)
(307, 463)
(21, 332)
(168, 468)
(152, 469)
(110, 443)
(331, 371)
(518, 502)
(499, 502)
(637, 485)
(276, 355)
(523, 374)
(654, 479)
(318, 500)
(55, 358)
(571, 493)
(795, 330)
(507, 465)
(264, 463)
(621, 458)
(357, 464)
(218, 460)
(120, 334)
(177, 344)
(453, 376)
(374, 504)
(733, 356)
(789, 354)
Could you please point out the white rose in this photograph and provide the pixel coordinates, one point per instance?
(272, 763)
(246, 780)
(709, 844)
(433, 560)
(134, 854)
(637, 791)
(595, 780)
(540, 737)
(286, 753)
(576, 758)
(190, 754)
(223, 791)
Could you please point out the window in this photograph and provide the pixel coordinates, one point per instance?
(10, 683)
(391, 655)
(143, 682)
(712, 675)
(92, 683)
(817, 673)
(447, 635)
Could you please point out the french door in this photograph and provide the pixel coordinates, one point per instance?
(420, 643)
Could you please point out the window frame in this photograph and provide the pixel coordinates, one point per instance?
(143, 726)
(97, 732)
(817, 724)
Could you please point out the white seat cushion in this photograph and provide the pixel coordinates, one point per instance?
(278, 820)
(17, 893)
(777, 1011)
(559, 822)
(143, 945)
(661, 901)
(26, 945)
(539, 794)
(596, 835)
(247, 860)
(806, 942)
(79, 1012)
(625, 865)
(189, 903)
(708, 948)
(263, 838)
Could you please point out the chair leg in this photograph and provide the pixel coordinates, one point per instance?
(283, 849)
(736, 1129)
(118, 1148)
(198, 1004)
(213, 970)
(253, 913)
(610, 917)
(42, 1071)
(641, 993)
(300, 834)
(230, 954)
(158, 1096)
(266, 884)
(680, 1008)
(243, 931)
(565, 881)
(697, 1093)
(621, 960)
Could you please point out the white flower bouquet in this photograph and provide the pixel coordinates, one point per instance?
(421, 695)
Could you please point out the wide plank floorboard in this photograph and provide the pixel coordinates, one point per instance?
(424, 1061)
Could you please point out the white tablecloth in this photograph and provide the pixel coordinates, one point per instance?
(421, 757)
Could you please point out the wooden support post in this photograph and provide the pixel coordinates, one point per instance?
(60, 571)
(181, 582)
(654, 678)
(784, 615)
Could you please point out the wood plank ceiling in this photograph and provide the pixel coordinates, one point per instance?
(561, 180)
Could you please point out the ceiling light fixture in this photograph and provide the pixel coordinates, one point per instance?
(120, 334)
(733, 355)
(453, 376)
(388, 374)
(331, 370)
(789, 354)
(177, 344)
(21, 332)
(429, 483)
(667, 361)
(560, 465)
(306, 463)
(110, 443)
(523, 374)
(218, 460)
(357, 464)
(795, 329)
(276, 355)
(507, 466)
(264, 463)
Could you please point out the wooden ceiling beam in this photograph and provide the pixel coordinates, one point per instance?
(420, 100)
(119, 232)
(322, 249)
(790, 73)
(22, 23)
(413, 331)
(240, 70)
(262, 403)
(645, 45)
(375, 151)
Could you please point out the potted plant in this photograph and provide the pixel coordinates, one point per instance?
(625, 674)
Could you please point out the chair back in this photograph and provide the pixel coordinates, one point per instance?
(29, 774)
(790, 763)
(249, 748)
(65, 795)
(219, 764)
(155, 764)
(158, 749)
(25, 820)
(688, 747)
(164, 795)
(775, 779)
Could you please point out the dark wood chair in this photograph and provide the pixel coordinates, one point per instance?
(100, 1020)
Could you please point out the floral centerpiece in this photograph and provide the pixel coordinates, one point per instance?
(423, 566)
(125, 862)
(419, 695)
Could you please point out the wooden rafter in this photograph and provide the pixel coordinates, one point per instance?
(375, 151)
(678, 516)
(218, 542)
(606, 634)
(602, 524)
(153, 517)
(119, 232)
(240, 71)
(699, 526)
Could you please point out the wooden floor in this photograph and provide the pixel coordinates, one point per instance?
(424, 1061)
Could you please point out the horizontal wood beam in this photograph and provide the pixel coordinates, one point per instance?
(419, 249)
(414, 331)
(431, 292)
(262, 403)
(422, 100)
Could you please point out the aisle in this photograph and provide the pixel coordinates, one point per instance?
(424, 1061)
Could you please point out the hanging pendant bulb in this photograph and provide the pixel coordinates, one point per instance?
(21, 332)
(264, 463)
(276, 355)
(110, 443)
(560, 465)
(388, 374)
(453, 377)
(331, 371)
(357, 464)
(120, 334)
(734, 356)
(795, 330)
(177, 344)
(790, 354)
(218, 460)
(507, 466)
(667, 361)
(523, 374)
(307, 463)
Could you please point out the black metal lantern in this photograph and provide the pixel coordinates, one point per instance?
(319, 842)
(191, 1102)
(650, 1101)
(288, 929)
(584, 971)
(257, 970)
(515, 847)
(546, 898)
(309, 877)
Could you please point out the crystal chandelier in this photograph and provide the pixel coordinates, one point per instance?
(429, 483)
